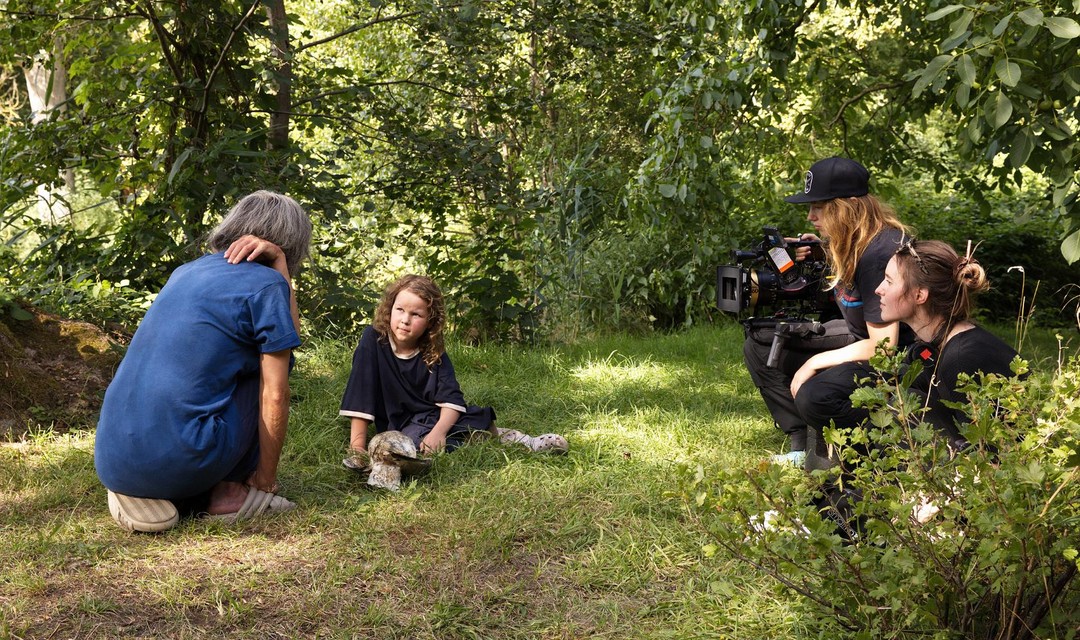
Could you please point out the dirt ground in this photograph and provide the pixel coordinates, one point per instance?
(53, 372)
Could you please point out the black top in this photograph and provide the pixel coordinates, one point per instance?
(858, 303)
(394, 392)
(973, 351)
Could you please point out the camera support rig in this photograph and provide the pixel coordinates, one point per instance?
(774, 279)
(783, 330)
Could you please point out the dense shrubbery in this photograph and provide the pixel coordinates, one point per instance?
(1007, 232)
(1000, 558)
(552, 172)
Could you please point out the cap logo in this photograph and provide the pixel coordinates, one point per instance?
(809, 180)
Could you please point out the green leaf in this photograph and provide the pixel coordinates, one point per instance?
(1072, 77)
(1057, 131)
(178, 163)
(1022, 147)
(912, 373)
(930, 73)
(1070, 247)
(965, 68)
(20, 314)
(959, 27)
(974, 130)
(1008, 71)
(881, 418)
(1065, 28)
(944, 11)
(1059, 195)
(1032, 473)
(667, 190)
(963, 95)
(1032, 16)
(1002, 25)
(998, 109)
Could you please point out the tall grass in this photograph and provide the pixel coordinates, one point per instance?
(496, 542)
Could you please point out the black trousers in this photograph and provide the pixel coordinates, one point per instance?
(826, 399)
(774, 384)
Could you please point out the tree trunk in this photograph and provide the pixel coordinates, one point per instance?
(279, 46)
(46, 87)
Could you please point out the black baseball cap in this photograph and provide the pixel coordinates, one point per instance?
(831, 178)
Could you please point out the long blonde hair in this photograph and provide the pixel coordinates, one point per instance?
(849, 224)
(431, 343)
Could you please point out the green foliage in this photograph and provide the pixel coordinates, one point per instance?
(1017, 247)
(165, 122)
(557, 166)
(1010, 75)
(999, 558)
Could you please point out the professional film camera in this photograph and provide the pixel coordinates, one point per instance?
(770, 281)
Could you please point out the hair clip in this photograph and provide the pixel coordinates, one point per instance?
(968, 259)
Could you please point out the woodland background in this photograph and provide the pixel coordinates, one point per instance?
(559, 167)
(572, 173)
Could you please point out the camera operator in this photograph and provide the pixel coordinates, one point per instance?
(860, 234)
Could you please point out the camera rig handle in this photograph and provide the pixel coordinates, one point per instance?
(784, 330)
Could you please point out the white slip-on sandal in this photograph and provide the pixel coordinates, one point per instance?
(256, 503)
(149, 515)
(548, 442)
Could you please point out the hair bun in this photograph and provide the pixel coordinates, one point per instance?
(970, 274)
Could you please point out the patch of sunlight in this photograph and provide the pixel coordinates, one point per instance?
(663, 437)
(47, 449)
(646, 435)
(620, 371)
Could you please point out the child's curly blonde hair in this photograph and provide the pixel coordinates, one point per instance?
(431, 343)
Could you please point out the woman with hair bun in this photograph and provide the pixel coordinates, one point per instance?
(930, 287)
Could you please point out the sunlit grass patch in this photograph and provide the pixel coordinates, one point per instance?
(616, 371)
(495, 542)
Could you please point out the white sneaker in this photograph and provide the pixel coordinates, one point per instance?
(548, 442)
(791, 459)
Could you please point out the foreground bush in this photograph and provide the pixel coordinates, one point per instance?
(999, 558)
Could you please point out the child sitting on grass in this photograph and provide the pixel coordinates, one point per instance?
(402, 380)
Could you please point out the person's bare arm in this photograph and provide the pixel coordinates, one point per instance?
(358, 428)
(273, 418)
(435, 440)
(856, 351)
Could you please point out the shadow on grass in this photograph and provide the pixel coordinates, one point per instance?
(495, 542)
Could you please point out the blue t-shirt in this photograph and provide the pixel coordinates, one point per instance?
(170, 424)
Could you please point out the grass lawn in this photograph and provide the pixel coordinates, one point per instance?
(496, 542)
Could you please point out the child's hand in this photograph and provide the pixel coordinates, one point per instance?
(432, 444)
